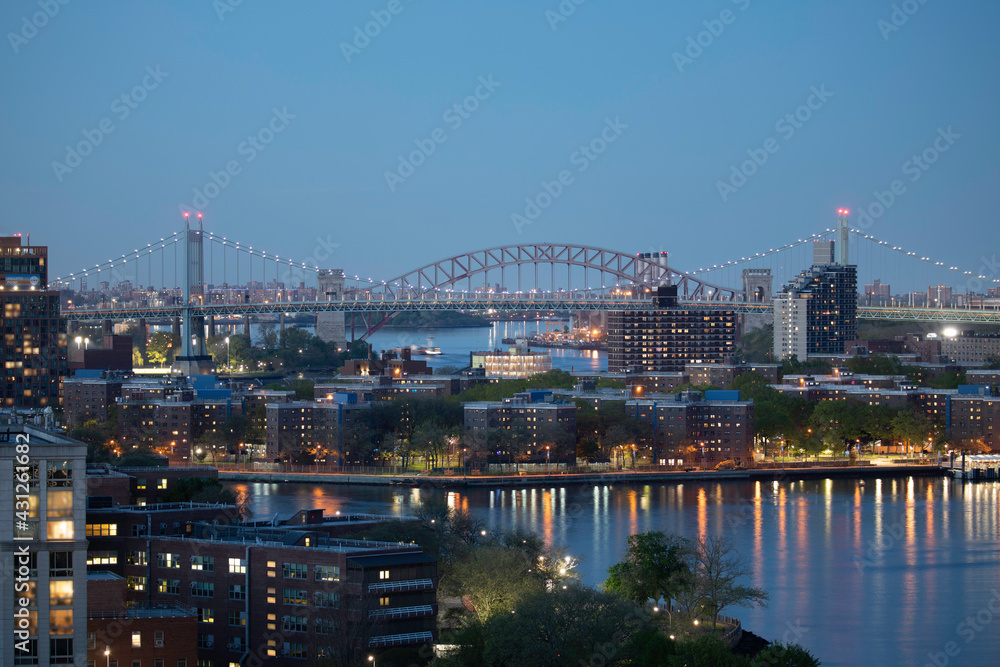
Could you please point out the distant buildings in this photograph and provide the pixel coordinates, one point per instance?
(34, 343)
(665, 339)
(971, 348)
(938, 296)
(816, 313)
(511, 364)
(878, 291)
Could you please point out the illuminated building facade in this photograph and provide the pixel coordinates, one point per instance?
(666, 339)
(34, 336)
(513, 364)
(46, 542)
(817, 312)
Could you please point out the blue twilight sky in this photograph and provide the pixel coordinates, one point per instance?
(347, 107)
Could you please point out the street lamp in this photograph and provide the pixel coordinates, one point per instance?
(228, 356)
(107, 654)
(371, 659)
(78, 339)
(547, 459)
(464, 458)
(703, 456)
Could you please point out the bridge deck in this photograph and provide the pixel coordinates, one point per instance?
(501, 303)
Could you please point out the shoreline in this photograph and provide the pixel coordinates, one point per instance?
(482, 481)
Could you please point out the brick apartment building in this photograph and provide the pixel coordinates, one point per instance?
(536, 412)
(288, 594)
(90, 395)
(691, 427)
(138, 635)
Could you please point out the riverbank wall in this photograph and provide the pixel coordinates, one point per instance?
(602, 478)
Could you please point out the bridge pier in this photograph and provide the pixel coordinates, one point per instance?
(144, 330)
(211, 326)
(246, 326)
(330, 325)
(107, 328)
(175, 327)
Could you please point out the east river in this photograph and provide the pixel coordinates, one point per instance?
(878, 572)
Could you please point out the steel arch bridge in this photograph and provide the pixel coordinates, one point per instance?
(614, 270)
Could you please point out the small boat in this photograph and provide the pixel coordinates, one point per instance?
(429, 350)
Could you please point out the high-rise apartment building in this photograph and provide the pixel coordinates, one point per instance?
(43, 548)
(668, 337)
(34, 336)
(817, 312)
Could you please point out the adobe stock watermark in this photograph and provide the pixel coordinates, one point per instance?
(714, 28)
(914, 168)
(886, 539)
(248, 150)
(297, 272)
(30, 25)
(454, 116)
(968, 629)
(223, 7)
(581, 158)
(898, 17)
(786, 126)
(562, 12)
(363, 35)
(122, 107)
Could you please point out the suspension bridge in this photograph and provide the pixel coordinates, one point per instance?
(196, 276)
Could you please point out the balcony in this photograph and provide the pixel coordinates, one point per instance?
(401, 640)
(396, 613)
(399, 586)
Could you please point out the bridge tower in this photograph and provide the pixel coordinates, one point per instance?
(757, 288)
(330, 325)
(193, 359)
(843, 234)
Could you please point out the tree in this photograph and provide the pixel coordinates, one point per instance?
(557, 568)
(784, 655)
(655, 567)
(756, 345)
(428, 440)
(575, 626)
(717, 573)
(912, 427)
(494, 579)
(704, 651)
(992, 362)
(162, 348)
(356, 443)
(266, 336)
(561, 443)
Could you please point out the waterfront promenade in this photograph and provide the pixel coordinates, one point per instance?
(457, 480)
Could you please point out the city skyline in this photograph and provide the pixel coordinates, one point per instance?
(297, 119)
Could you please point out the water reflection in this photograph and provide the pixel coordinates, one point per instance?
(880, 571)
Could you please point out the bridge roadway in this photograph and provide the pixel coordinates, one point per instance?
(498, 302)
